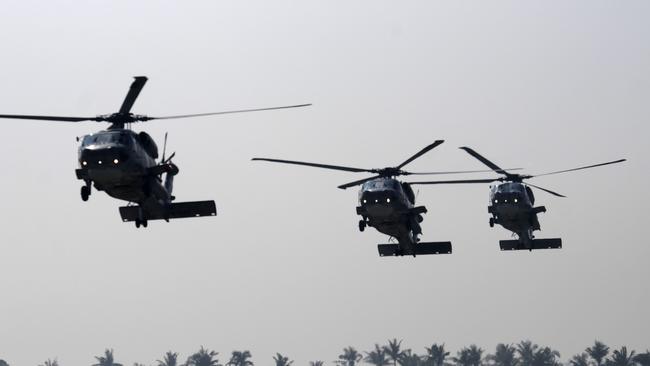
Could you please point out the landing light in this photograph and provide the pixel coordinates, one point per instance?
(99, 162)
(515, 200)
(496, 201)
(84, 163)
(388, 200)
(115, 161)
(376, 201)
(365, 201)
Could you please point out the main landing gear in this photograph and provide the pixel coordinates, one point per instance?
(142, 223)
(362, 225)
(85, 192)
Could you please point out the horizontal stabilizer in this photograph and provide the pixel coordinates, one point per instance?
(441, 247)
(173, 211)
(555, 243)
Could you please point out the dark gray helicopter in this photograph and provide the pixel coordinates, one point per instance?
(388, 205)
(512, 204)
(123, 163)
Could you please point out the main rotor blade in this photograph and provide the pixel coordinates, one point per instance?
(455, 172)
(457, 181)
(357, 182)
(583, 167)
(133, 93)
(49, 118)
(545, 190)
(316, 165)
(485, 161)
(420, 153)
(229, 112)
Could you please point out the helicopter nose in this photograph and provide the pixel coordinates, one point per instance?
(101, 157)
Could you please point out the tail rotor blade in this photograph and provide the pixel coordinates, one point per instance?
(164, 149)
(133, 93)
(420, 153)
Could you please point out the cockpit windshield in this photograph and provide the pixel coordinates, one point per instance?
(104, 138)
(381, 184)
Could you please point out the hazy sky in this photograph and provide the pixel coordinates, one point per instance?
(543, 85)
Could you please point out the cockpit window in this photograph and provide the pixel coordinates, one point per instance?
(106, 138)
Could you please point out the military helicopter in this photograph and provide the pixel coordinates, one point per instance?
(123, 163)
(512, 204)
(388, 205)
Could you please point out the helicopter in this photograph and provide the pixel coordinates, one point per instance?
(512, 204)
(388, 205)
(123, 163)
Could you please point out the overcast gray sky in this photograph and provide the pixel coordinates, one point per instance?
(543, 85)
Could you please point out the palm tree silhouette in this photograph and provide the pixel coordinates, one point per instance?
(170, 359)
(526, 351)
(598, 352)
(203, 357)
(107, 359)
(436, 355)
(240, 358)
(643, 359)
(281, 360)
(546, 357)
(410, 359)
(580, 360)
(377, 357)
(50, 363)
(349, 357)
(505, 355)
(393, 350)
(621, 358)
(469, 356)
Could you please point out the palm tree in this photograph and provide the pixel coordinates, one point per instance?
(504, 356)
(377, 357)
(436, 355)
(107, 359)
(469, 356)
(349, 357)
(203, 357)
(526, 351)
(393, 350)
(580, 360)
(316, 363)
(546, 357)
(49, 363)
(621, 358)
(410, 359)
(598, 352)
(240, 358)
(643, 359)
(281, 360)
(170, 359)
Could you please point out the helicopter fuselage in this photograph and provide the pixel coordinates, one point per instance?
(388, 205)
(512, 207)
(119, 162)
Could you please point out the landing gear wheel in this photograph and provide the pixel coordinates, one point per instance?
(137, 223)
(491, 221)
(85, 193)
(144, 223)
(362, 225)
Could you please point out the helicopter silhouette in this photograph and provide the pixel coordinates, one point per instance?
(512, 204)
(388, 205)
(123, 163)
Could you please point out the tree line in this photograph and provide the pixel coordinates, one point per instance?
(524, 353)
